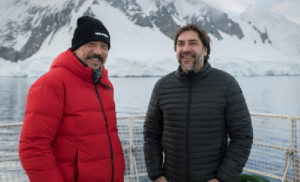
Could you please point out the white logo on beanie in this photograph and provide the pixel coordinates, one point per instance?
(101, 34)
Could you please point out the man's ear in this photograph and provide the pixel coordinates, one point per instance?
(204, 51)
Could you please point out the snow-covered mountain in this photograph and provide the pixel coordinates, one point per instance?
(34, 32)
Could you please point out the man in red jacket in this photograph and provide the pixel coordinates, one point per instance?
(70, 130)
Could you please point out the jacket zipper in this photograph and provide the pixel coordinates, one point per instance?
(76, 172)
(188, 131)
(106, 124)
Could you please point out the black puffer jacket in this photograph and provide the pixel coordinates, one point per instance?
(189, 118)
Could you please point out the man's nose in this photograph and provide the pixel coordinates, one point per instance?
(98, 49)
(186, 48)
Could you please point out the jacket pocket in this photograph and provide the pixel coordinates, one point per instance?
(76, 171)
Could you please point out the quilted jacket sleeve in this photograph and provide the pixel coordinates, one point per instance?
(44, 110)
(152, 138)
(240, 133)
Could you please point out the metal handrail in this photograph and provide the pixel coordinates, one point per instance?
(290, 152)
(11, 125)
(275, 116)
(16, 124)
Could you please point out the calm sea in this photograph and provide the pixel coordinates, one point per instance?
(276, 94)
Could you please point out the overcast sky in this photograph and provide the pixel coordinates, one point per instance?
(288, 8)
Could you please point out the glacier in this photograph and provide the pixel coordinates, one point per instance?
(270, 45)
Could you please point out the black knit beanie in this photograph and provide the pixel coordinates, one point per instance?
(89, 29)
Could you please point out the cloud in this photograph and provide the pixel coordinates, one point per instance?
(282, 6)
(229, 6)
(288, 8)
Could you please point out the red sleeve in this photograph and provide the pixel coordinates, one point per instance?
(43, 114)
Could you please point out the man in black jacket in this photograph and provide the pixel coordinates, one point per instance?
(198, 127)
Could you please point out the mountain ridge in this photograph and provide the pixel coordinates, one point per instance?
(142, 33)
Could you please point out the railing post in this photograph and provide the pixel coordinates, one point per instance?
(131, 150)
(295, 157)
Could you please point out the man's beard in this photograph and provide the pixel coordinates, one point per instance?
(197, 60)
(188, 67)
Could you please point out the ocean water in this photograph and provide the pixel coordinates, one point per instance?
(273, 94)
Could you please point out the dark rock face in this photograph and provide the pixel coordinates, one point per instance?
(40, 22)
(214, 25)
(37, 28)
(263, 35)
(133, 11)
(163, 19)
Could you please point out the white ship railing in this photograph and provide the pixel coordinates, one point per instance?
(275, 153)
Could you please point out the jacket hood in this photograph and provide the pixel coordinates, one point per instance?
(67, 60)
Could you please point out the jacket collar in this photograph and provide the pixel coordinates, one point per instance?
(69, 61)
(205, 70)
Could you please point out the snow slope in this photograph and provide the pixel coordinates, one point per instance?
(144, 51)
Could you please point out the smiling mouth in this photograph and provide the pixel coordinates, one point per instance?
(187, 55)
(95, 59)
(187, 59)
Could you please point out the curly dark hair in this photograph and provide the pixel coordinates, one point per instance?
(201, 33)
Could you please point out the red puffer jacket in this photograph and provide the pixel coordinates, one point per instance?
(65, 135)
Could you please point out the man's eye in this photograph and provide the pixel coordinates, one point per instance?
(180, 44)
(105, 47)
